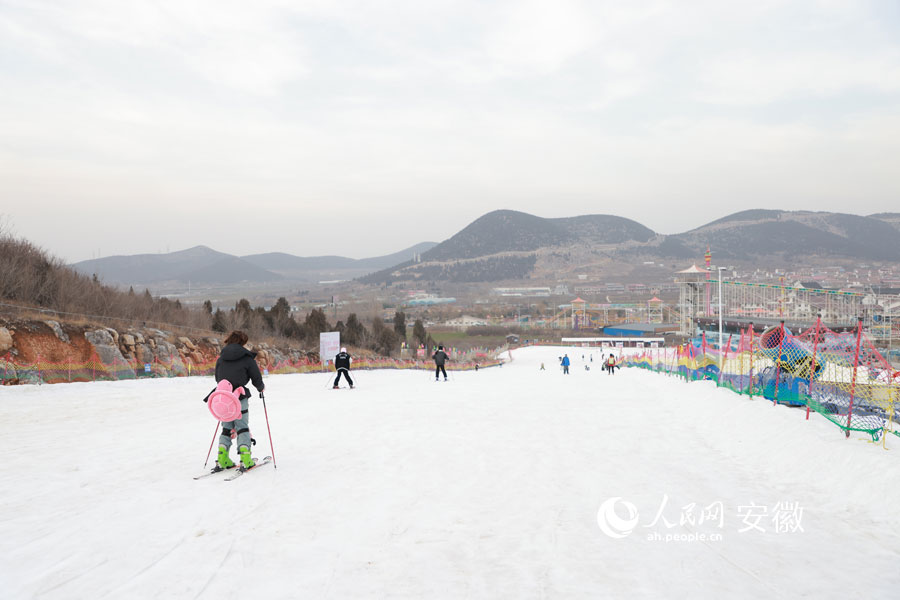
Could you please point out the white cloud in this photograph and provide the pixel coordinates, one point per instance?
(661, 111)
(240, 45)
(746, 79)
(539, 36)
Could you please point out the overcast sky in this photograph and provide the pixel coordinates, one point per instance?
(361, 128)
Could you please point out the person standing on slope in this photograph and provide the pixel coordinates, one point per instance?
(611, 365)
(238, 365)
(565, 364)
(342, 366)
(440, 357)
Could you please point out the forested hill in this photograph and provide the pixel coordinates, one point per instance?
(515, 245)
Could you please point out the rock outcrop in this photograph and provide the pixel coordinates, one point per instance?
(50, 351)
(105, 345)
(6, 340)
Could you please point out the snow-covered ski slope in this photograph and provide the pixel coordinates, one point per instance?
(487, 486)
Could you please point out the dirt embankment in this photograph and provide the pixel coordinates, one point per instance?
(33, 351)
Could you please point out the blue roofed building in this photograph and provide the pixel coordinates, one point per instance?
(638, 329)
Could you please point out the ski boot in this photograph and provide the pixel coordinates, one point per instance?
(335, 387)
(223, 461)
(246, 460)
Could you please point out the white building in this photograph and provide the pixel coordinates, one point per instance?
(465, 322)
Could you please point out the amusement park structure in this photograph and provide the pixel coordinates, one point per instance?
(580, 314)
(762, 302)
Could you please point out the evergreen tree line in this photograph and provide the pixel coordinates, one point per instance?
(278, 321)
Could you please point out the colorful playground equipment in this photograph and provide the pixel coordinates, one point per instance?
(778, 344)
(852, 384)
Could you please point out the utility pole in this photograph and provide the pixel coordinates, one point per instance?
(721, 354)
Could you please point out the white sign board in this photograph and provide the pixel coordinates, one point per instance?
(329, 345)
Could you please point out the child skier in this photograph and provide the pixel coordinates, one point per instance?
(238, 366)
(565, 364)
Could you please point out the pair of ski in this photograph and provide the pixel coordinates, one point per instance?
(235, 471)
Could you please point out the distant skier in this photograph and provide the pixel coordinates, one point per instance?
(542, 367)
(611, 365)
(440, 357)
(565, 364)
(238, 366)
(342, 366)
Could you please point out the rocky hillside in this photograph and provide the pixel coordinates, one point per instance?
(34, 351)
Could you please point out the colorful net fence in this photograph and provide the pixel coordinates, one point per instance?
(13, 371)
(841, 376)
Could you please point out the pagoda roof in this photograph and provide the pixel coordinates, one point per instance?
(694, 269)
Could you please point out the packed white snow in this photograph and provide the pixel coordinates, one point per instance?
(487, 486)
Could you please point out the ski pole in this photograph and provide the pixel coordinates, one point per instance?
(329, 383)
(215, 431)
(271, 445)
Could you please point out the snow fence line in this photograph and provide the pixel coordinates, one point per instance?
(841, 376)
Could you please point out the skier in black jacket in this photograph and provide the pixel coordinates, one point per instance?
(342, 365)
(440, 357)
(238, 366)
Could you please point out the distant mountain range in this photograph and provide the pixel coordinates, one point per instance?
(512, 231)
(525, 246)
(796, 235)
(202, 265)
(512, 245)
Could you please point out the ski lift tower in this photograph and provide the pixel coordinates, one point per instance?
(692, 283)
